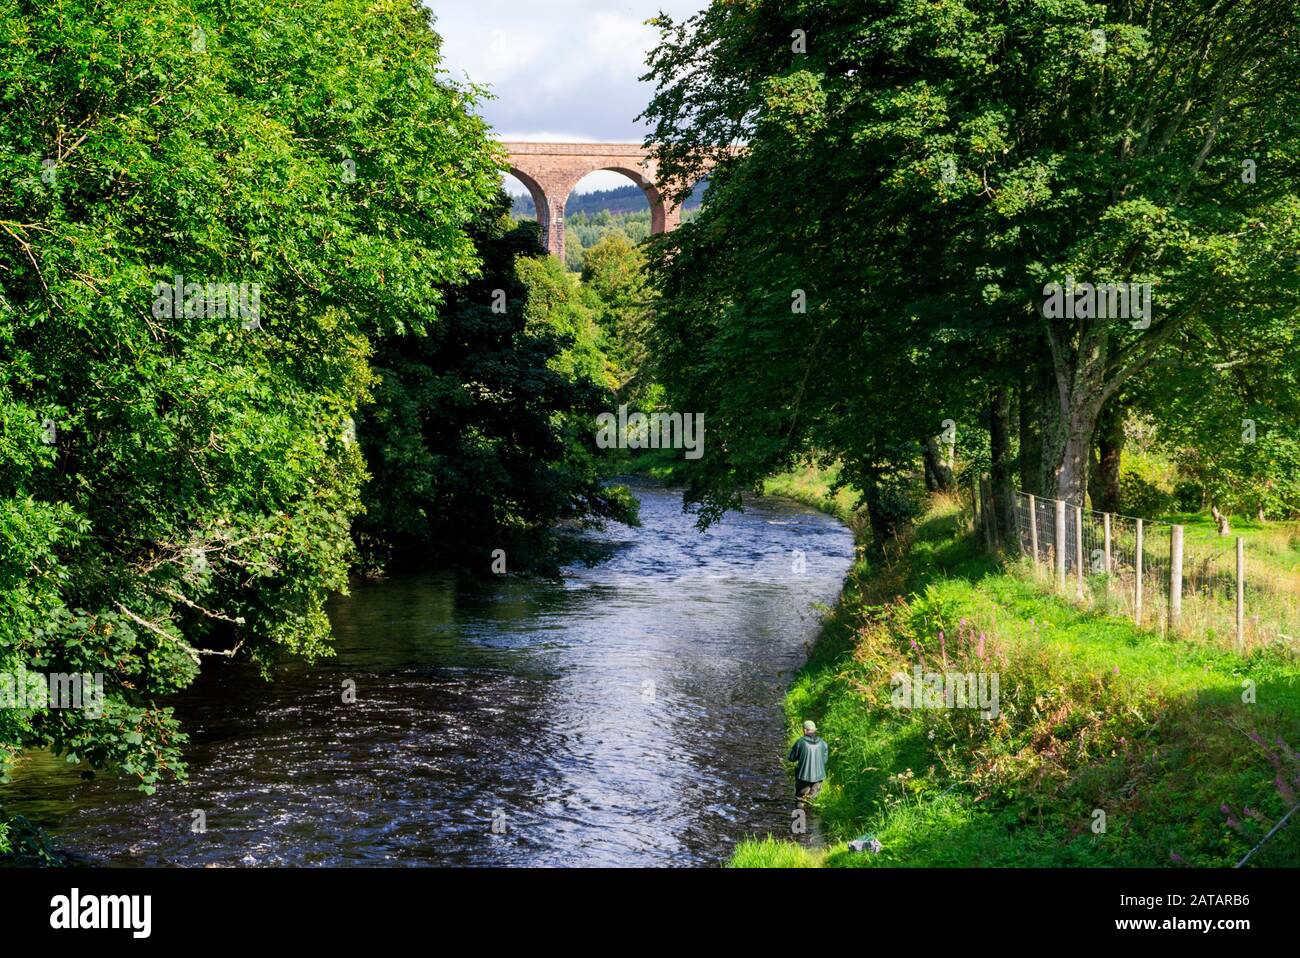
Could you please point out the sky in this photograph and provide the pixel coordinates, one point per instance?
(561, 70)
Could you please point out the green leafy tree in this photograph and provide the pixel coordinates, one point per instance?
(921, 173)
(481, 435)
(614, 271)
(177, 473)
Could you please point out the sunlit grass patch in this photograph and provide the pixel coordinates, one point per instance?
(773, 853)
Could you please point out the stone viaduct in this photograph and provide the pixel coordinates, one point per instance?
(550, 171)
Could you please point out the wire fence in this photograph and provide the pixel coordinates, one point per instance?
(1240, 591)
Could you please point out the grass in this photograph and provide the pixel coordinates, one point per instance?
(1184, 747)
(1274, 544)
(809, 484)
(815, 486)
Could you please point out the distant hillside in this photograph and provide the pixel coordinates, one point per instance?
(624, 199)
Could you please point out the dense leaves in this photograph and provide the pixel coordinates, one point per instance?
(480, 435)
(915, 175)
(175, 481)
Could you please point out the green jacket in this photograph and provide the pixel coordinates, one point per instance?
(809, 752)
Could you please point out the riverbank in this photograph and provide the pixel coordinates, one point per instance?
(1110, 746)
(808, 484)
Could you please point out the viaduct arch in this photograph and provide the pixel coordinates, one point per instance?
(550, 171)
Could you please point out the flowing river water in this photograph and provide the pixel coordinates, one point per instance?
(626, 715)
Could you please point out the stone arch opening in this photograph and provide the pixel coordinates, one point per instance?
(556, 168)
(541, 203)
(647, 200)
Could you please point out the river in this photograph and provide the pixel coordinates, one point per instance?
(626, 715)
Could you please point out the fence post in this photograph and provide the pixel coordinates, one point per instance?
(1078, 547)
(974, 504)
(1033, 529)
(1175, 576)
(1106, 555)
(990, 514)
(1241, 593)
(1137, 565)
(1060, 544)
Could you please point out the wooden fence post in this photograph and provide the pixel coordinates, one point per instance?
(1078, 547)
(1241, 593)
(1137, 565)
(990, 515)
(1175, 576)
(1060, 544)
(1033, 529)
(1106, 555)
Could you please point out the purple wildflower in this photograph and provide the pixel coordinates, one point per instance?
(1232, 819)
(1285, 790)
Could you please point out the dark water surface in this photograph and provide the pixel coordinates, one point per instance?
(629, 715)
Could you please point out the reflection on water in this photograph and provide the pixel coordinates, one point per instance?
(628, 715)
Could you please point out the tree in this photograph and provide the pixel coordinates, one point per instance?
(177, 473)
(480, 437)
(614, 271)
(924, 173)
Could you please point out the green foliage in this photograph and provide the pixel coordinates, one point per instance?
(481, 437)
(613, 270)
(586, 230)
(918, 176)
(177, 480)
(23, 845)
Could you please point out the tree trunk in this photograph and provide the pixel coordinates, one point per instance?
(1110, 451)
(1031, 436)
(931, 480)
(1004, 499)
(1095, 493)
(1066, 444)
(1067, 435)
(1221, 520)
(1048, 411)
(883, 527)
(938, 477)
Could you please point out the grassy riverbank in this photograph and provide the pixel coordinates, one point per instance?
(809, 484)
(815, 486)
(1186, 749)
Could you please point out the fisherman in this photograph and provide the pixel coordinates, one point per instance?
(809, 755)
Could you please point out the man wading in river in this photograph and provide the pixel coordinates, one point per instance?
(809, 756)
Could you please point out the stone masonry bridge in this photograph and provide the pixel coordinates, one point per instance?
(550, 171)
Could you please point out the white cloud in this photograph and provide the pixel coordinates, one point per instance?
(562, 70)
